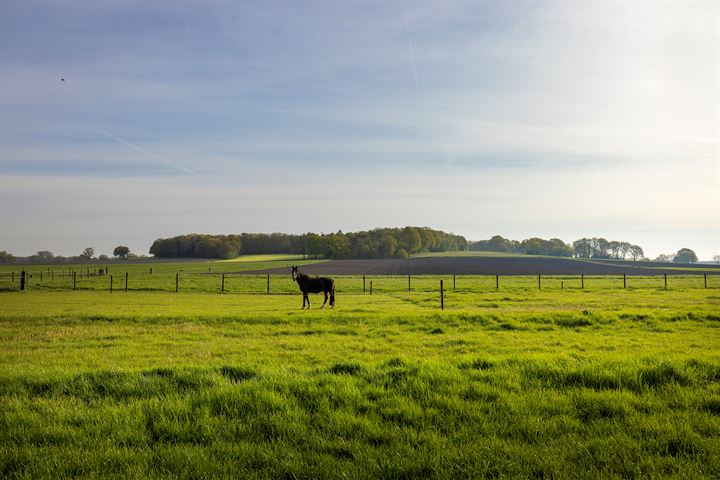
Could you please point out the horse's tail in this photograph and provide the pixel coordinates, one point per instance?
(332, 294)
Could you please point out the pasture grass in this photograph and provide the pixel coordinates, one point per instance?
(518, 383)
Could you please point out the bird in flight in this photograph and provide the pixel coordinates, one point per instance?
(62, 80)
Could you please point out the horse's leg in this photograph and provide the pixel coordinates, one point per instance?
(307, 297)
(326, 297)
(304, 295)
(332, 297)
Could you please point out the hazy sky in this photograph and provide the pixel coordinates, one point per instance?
(558, 119)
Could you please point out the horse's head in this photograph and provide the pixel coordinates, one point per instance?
(294, 273)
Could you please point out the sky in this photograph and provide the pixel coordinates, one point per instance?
(551, 119)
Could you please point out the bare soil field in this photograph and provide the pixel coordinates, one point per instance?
(489, 266)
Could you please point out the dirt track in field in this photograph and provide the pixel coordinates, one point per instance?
(479, 266)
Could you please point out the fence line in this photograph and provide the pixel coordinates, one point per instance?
(84, 279)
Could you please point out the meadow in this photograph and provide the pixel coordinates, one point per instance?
(520, 382)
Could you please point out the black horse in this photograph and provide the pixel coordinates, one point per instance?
(314, 285)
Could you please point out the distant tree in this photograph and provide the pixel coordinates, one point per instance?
(164, 248)
(685, 255)
(532, 246)
(498, 244)
(558, 248)
(338, 245)
(427, 239)
(410, 239)
(314, 245)
(538, 246)
(664, 258)
(636, 252)
(6, 257)
(625, 249)
(121, 251)
(388, 246)
(716, 258)
(601, 248)
(582, 248)
(87, 254)
(43, 256)
(215, 248)
(103, 258)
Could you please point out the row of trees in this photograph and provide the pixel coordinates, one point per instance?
(583, 248)
(684, 255)
(601, 248)
(378, 243)
(46, 256)
(531, 246)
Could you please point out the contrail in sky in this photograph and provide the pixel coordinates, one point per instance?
(147, 152)
(412, 57)
(412, 53)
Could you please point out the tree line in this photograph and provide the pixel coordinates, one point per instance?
(583, 248)
(86, 256)
(531, 246)
(377, 243)
(595, 247)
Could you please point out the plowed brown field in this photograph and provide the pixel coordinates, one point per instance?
(469, 265)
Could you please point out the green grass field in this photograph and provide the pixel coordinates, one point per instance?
(516, 383)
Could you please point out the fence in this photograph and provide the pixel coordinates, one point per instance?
(226, 282)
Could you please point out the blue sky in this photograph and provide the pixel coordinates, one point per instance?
(564, 119)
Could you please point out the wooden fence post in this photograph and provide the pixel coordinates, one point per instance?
(363, 283)
(624, 280)
(23, 279)
(408, 282)
(497, 282)
(177, 281)
(268, 284)
(222, 286)
(74, 280)
(453, 281)
(665, 281)
(582, 280)
(370, 287)
(41, 275)
(538, 281)
(110, 283)
(150, 270)
(442, 295)
(705, 275)
(126, 281)
(562, 285)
